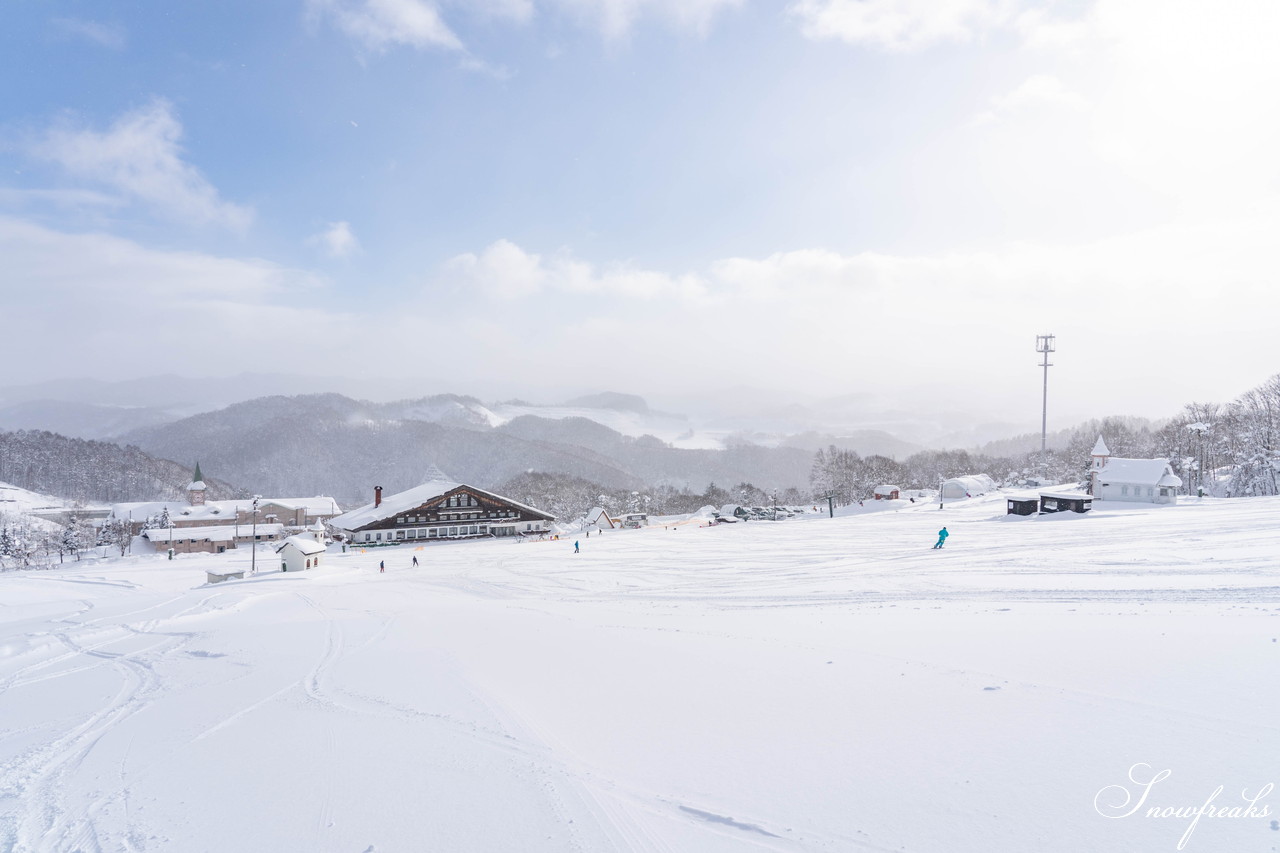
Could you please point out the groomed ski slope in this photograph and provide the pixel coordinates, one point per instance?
(810, 685)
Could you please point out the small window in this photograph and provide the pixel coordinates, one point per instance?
(1151, 492)
(431, 534)
(453, 531)
(368, 537)
(378, 536)
(399, 534)
(1124, 490)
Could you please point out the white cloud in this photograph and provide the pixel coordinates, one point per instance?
(868, 321)
(898, 25)
(106, 35)
(615, 18)
(519, 11)
(100, 304)
(140, 156)
(1038, 91)
(382, 24)
(1176, 96)
(337, 240)
(506, 271)
(883, 322)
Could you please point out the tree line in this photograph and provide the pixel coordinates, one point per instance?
(1222, 449)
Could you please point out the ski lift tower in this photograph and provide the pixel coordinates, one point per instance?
(1044, 345)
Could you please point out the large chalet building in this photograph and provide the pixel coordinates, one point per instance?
(439, 509)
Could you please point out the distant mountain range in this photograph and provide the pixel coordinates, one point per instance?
(331, 444)
(719, 417)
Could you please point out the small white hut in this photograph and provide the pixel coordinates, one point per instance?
(298, 553)
(599, 519)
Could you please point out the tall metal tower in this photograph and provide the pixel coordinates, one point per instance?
(1044, 345)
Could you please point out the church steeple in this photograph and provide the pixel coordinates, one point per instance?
(1099, 455)
(195, 491)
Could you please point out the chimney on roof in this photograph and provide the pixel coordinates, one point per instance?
(377, 496)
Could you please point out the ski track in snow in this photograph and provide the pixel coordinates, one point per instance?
(649, 583)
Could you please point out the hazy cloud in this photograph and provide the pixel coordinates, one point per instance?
(382, 24)
(1040, 90)
(615, 18)
(337, 240)
(106, 35)
(899, 25)
(504, 270)
(140, 157)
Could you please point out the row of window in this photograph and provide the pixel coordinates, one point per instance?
(442, 532)
(1137, 492)
(457, 516)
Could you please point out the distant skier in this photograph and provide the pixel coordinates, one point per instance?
(415, 562)
(575, 547)
(942, 537)
(382, 565)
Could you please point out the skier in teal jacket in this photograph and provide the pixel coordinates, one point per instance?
(942, 537)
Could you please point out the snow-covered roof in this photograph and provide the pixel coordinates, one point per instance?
(319, 505)
(211, 511)
(1100, 448)
(887, 489)
(305, 544)
(979, 483)
(211, 533)
(598, 517)
(1143, 472)
(415, 497)
(215, 510)
(1067, 496)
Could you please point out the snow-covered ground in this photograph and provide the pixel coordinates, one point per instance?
(16, 501)
(809, 685)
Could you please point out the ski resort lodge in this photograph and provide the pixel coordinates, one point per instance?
(439, 509)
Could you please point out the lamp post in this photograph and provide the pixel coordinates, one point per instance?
(253, 546)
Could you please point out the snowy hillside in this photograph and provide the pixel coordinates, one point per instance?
(809, 685)
(16, 501)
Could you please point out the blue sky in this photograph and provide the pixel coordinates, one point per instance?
(896, 194)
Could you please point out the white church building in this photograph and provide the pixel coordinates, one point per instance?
(1135, 480)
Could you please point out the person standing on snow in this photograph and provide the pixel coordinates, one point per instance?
(942, 537)
(575, 547)
(382, 565)
(415, 562)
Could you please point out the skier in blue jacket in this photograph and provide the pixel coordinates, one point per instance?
(942, 537)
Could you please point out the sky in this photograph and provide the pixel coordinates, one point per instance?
(538, 198)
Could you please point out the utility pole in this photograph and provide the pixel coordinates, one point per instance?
(830, 498)
(253, 554)
(1044, 345)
